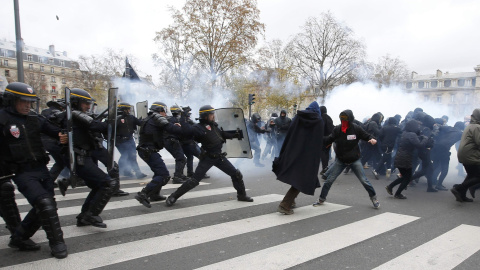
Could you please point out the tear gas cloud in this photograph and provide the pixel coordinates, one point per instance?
(366, 99)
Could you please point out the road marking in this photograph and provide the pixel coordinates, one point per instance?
(83, 195)
(157, 217)
(444, 252)
(308, 248)
(65, 211)
(97, 258)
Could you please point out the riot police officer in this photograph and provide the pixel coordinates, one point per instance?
(151, 141)
(126, 125)
(173, 146)
(84, 143)
(22, 153)
(253, 129)
(212, 138)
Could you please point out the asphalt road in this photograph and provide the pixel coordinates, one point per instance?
(209, 229)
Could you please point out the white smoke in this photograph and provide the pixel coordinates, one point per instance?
(366, 99)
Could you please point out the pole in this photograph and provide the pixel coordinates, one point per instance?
(18, 34)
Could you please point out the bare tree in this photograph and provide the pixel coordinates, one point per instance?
(220, 34)
(175, 61)
(326, 52)
(389, 71)
(275, 56)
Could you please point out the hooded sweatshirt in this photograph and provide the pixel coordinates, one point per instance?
(346, 143)
(408, 143)
(469, 149)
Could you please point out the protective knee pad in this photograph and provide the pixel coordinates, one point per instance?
(165, 180)
(115, 171)
(191, 183)
(45, 204)
(7, 189)
(111, 186)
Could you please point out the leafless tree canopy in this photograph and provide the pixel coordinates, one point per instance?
(390, 71)
(326, 52)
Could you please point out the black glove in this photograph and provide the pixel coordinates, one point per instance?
(238, 134)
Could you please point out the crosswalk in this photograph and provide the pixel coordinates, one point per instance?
(141, 236)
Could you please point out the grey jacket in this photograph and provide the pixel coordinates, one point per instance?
(469, 149)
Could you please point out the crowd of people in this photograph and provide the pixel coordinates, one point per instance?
(416, 146)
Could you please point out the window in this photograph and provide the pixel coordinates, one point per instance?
(434, 84)
(54, 98)
(51, 61)
(452, 98)
(52, 70)
(52, 79)
(7, 73)
(461, 82)
(42, 78)
(29, 57)
(64, 81)
(40, 60)
(30, 75)
(409, 85)
(62, 63)
(54, 90)
(42, 68)
(30, 66)
(439, 98)
(63, 71)
(425, 98)
(5, 63)
(448, 83)
(421, 84)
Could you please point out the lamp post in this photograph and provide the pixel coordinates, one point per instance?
(18, 35)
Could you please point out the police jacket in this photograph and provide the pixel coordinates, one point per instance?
(167, 135)
(84, 128)
(210, 136)
(187, 138)
(126, 125)
(152, 130)
(408, 143)
(20, 142)
(346, 144)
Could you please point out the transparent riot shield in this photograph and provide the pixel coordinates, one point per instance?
(142, 109)
(111, 125)
(231, 120)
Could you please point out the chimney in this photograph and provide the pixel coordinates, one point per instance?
(51, 48)
(439, 73)
(65, 53)
(414, 74)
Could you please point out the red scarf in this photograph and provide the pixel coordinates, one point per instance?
(345, 125)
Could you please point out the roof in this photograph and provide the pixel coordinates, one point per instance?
(10, 45)
(444, 76)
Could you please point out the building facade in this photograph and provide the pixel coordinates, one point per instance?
(46, 70)
(459, 91)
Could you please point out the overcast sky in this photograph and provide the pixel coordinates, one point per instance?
(427, 35)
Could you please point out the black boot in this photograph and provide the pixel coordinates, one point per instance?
(184, 188)
(8, 206)
(239, 185)
(47, 212)
(98, 203)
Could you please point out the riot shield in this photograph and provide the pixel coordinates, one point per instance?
(142, 109)
(71, 154)
(232, 119)
(111, 125)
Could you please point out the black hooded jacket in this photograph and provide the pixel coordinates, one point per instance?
(327, 120)
(408, 143)
(282, 123)
(346, 144)
(389, 134)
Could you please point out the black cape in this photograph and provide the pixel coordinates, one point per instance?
(299, 159)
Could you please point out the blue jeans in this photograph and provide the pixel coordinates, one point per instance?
(337, 168)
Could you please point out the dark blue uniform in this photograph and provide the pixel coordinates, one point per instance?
(52, 145)
(126, 125)
(151, 141)
(173, 146)
(212, 140)
(22, 153)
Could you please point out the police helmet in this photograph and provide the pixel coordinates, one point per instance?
(175, 110)
(18, 90)
(78, 95)
(205, 110)
(158, 106)
(123, 106)
(57, 104)
(256, 118)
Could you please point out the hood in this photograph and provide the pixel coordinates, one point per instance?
(314, 108)
(475, 119)
(255, 118)
(417, 110)
(349, 114)
(409, 116)
(428, 121)
(377, 118)
(419, 116)
(398, 118)
(274, 115)
(392, 121)
(459, 125)
(413, 126)
(439, 121)
(323, 109)
(283, 111)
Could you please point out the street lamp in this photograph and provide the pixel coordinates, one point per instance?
(18, 35)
